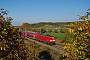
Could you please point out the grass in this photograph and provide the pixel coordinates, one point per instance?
(58, 35)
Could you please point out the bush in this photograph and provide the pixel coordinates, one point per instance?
(43, 30)
(50, 31)
(45, 55)
(56, 30)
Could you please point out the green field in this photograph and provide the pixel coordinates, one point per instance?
(58, 35)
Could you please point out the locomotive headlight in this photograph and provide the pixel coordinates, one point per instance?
(51, 40)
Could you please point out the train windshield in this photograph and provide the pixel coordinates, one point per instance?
(52, 37)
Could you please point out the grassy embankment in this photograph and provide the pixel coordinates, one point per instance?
(34, 48)
(60, 36)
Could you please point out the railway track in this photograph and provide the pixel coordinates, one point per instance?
(57, 47)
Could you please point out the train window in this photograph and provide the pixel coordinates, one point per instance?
(41, 34)
(51, 37)
(47, 34)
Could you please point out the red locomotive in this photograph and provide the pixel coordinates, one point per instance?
(39, 37)
(46, 38)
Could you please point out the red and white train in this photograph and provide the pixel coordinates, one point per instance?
(39, 37)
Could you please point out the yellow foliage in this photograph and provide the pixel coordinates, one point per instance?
(4, 48)
(71, 30)
(4, 29)
(87, 59)
(80, 28)
(65, 47)
(1, 48)
(71, 24)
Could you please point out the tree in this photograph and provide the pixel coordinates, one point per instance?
(25, 26)
(79, 46)
(10, 47)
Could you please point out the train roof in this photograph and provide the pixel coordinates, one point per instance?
(32, 32)
(21, 30)
(45, 35)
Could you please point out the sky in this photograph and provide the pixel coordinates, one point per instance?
(34, 11)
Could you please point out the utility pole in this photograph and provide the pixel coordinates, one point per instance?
(40, 30)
